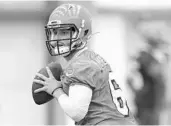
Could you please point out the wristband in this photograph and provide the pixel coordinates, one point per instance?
(54, 90)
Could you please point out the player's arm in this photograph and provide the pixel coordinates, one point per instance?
(84, 79)
(76, 104)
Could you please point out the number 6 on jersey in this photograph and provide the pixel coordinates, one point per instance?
(118, 98)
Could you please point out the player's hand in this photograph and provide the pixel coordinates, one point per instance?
(49, 84)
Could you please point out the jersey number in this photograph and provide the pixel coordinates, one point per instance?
(118, 98)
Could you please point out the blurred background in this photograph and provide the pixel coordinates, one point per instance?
(134, 37)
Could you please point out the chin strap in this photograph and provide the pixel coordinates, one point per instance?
(90, 36)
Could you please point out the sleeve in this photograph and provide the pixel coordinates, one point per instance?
(85, 73)
(76, 106)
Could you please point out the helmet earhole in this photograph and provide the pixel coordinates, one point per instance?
(85, 32)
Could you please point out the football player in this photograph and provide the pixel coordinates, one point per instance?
(87, 91)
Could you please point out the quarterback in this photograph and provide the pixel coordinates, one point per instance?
(87, 92)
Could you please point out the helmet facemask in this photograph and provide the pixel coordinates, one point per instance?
(61, 38)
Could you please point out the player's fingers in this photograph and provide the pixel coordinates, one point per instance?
(41, 76)
(39, 82)
(49, 72)
(40, 89)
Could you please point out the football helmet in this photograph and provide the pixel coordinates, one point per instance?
(72, 19)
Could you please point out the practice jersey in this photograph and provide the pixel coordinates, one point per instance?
(107, 104)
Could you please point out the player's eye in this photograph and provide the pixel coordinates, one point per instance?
(54, 31)
(64, 32)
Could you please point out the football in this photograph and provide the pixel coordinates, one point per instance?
(44, 97)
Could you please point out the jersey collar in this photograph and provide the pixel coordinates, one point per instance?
(76, 55)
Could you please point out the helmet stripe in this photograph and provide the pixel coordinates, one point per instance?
(78, 10)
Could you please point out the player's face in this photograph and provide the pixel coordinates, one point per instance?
(62, 34)
(60, 40)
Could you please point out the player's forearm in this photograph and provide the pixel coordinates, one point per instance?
(71, 108)
(57, 93)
